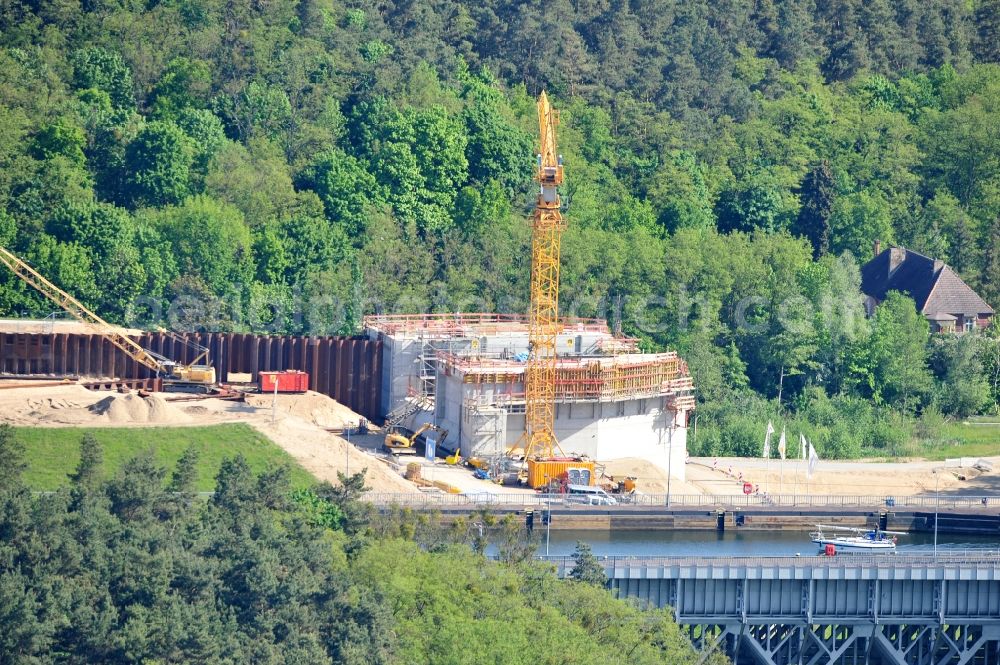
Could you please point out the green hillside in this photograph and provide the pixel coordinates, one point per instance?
(52, 453)
(127, 570)
(290, 166)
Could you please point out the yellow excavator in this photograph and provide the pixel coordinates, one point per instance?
(400, 444)
(177, 376)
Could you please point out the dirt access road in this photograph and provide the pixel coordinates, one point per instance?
(301, 423)
(725, 475)
(297, 423)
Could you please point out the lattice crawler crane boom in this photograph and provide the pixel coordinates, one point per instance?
(180, 376)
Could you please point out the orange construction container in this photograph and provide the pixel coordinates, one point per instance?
(289, 381)
(575, 471)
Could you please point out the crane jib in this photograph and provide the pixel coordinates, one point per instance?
(202, 375)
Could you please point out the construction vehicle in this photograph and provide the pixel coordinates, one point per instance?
(624, 485)
(398, 443)
(478, 463)
(186, 377)
(453, 460)
(539, 447)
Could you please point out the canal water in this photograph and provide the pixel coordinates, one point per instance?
(733, 543)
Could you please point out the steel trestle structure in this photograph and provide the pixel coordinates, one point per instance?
(848, 609)
(543, 318)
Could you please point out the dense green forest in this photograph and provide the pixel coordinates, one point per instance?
(136, 568)
(289, 166)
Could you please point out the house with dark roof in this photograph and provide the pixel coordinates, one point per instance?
(940, 294)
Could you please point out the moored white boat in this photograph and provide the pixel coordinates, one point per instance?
(858, 540)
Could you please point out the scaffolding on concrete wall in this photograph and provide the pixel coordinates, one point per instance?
(586, 379)
(468, 324)
(427, 374)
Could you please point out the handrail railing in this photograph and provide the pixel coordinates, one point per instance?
(443, 322)
(502, 499)
(970, 557)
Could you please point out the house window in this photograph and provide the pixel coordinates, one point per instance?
(969, 323)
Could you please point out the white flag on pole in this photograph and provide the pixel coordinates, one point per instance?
(767, 440)
(813, 459)
(781, 444)
(802, 445)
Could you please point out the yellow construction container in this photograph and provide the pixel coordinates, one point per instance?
(575, 471)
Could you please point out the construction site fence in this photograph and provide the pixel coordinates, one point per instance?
(512, 499)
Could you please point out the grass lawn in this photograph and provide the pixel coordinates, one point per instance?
(964, 440)
(52, 453)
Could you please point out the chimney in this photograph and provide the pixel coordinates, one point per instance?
(896, 257)
(878, 246)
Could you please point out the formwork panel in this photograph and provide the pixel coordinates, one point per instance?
(371, 370)
(323, 368)
(346, 359)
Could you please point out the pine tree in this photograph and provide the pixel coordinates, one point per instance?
(847, 51)
(136, 491)
(184, 479)
(987, 47)
(963, 247)
(989, 285)
(88, 471)
(817, 194)
(587, 569)
(12, 463)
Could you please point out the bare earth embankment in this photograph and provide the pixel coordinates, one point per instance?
(297, 423)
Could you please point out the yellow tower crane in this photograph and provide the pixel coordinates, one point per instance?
(180, 375)
(539, 440)
(543, 316)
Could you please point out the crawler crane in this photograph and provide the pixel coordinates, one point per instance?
(175, 375)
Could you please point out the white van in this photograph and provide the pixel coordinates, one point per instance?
(593, 496)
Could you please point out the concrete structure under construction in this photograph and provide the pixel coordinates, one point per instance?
(466, 373)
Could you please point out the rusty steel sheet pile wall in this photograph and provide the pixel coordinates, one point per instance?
(348, 369)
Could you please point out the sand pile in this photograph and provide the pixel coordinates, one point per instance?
(53, 403)
(131, 408)
(650, 478)
(75, 405)
(26, 404)
(312, 407)
(324, 454)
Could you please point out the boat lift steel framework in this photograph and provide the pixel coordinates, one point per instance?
(848, 609)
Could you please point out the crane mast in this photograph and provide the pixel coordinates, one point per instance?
(539, 439)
